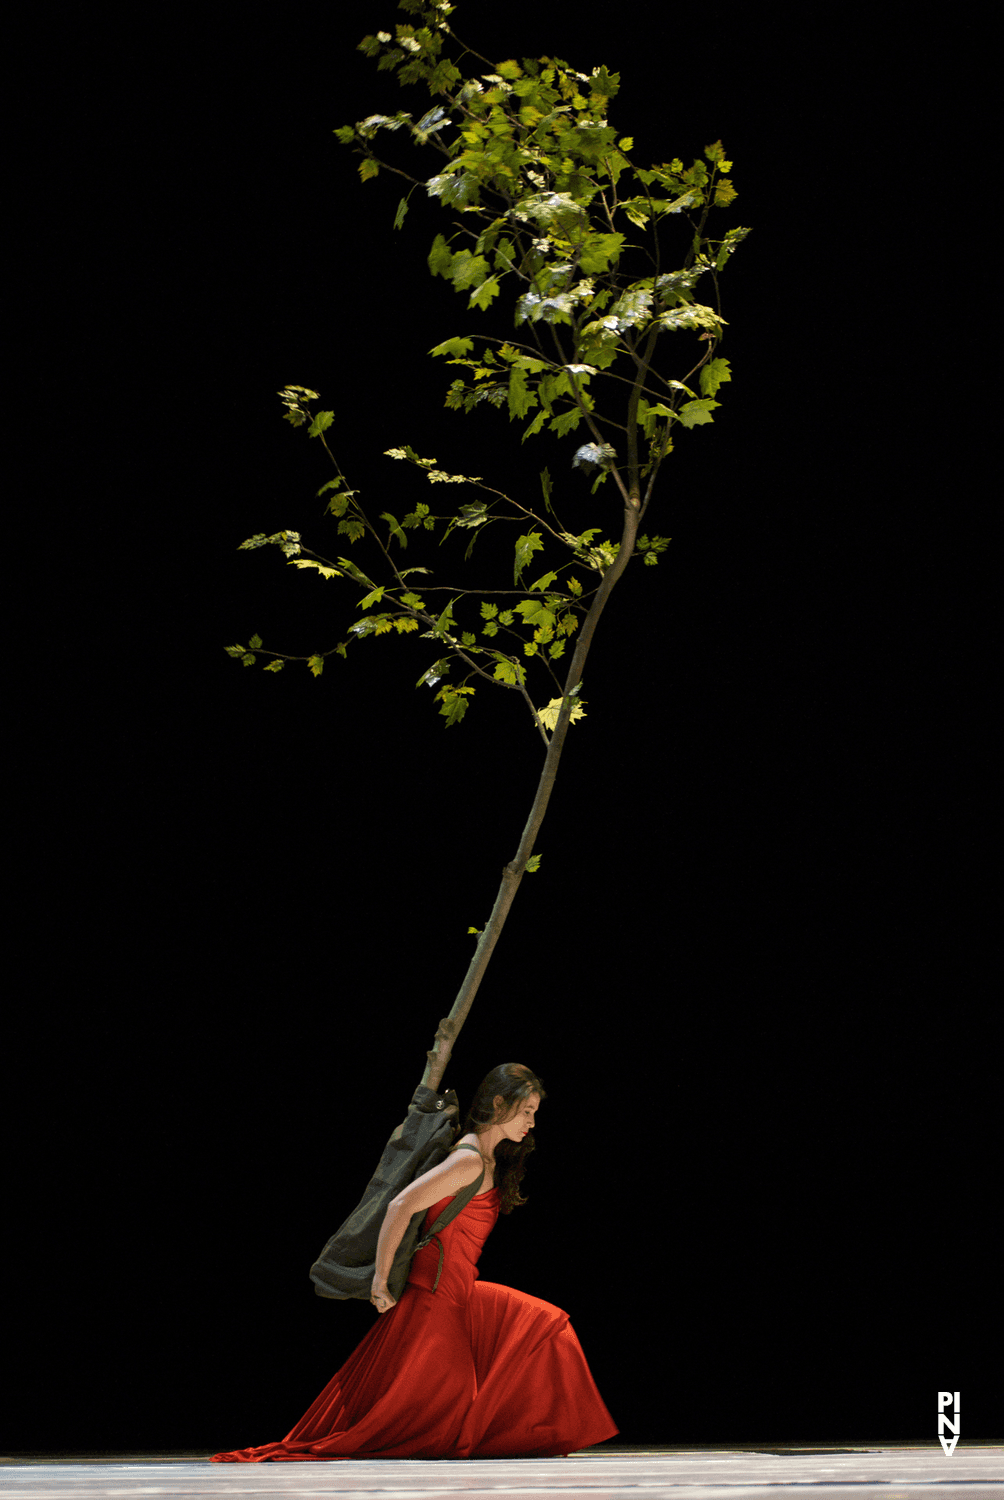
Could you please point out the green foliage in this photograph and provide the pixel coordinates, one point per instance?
(547, 203)
(651, 546)
(713, 375)
(591, 311)
(321, 423)
(526, 546)
(454, 703)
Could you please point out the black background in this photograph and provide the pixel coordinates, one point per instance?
(751, 970)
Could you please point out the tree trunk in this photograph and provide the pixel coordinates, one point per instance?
(449, 1026)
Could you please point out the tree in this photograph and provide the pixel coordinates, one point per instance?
(548, 208)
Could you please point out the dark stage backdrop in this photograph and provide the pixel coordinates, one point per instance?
(751, 970)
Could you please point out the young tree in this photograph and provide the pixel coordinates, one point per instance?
(551, 216)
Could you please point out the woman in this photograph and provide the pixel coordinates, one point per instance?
(472, 1369)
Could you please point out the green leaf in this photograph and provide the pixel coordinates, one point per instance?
(535, 612)
(456, 347)
(402, 209)
(307, 562)
(650, 412)
(506, 671)
(600, 250)
(468, 269)
(446, 622)
(566, 423)
(637, 210)
(439, 476)
(545, 484)
(526, 546)
(437, 671)
(356, 573)
(691, 315)
(525, 361)
(729, 243)
(649, 547)
(254, 644)
(321, 423)
(533, 864)
(713, 375)
(543, 582)
(275, 666)
(395, 528)
(602, 82)
(440, 257)
(454, 186)
(419, 517)
(454, 701)
(471, 515)
(628, 310)
(484, 294)
(316, 665)
(409, 453)
(373, 598)
(697, 413)
(550, 208)
(520, 399)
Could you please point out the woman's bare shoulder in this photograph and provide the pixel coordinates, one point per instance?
(455, 1171)
(465, 1143)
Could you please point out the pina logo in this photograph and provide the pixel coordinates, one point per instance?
(945, 1399)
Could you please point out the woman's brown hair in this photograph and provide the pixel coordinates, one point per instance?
(514, 1082)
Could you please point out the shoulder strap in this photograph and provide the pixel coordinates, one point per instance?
(465, 1147)
(450, 1212)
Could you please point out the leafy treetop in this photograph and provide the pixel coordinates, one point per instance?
(551, 212)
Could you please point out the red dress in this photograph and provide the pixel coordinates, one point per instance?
(472, 1370)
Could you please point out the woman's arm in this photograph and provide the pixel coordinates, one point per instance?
(395, 1222)
(442, 1181)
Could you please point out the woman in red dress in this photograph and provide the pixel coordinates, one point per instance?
(470, 1369)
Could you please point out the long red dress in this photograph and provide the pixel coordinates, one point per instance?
(472, 1370)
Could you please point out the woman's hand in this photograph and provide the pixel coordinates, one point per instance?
(380, 1296)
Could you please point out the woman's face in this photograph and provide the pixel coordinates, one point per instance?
(522, 1118)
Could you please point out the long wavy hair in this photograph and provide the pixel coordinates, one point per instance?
(514, 1082)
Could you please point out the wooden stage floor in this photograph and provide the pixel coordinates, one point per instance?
(891, 1471)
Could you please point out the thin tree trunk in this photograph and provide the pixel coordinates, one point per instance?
(448, 1028)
